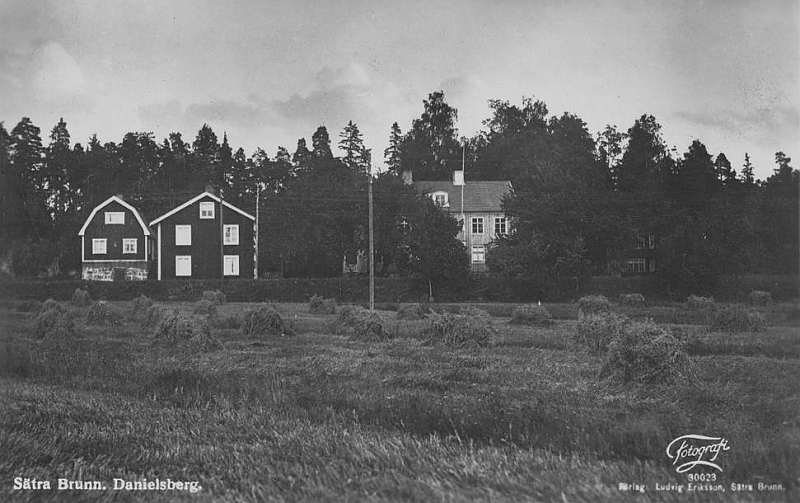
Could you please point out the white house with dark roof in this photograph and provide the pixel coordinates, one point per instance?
(114, 243)
(477, 203)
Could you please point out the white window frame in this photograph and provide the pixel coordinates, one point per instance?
(127, 249)
(653, 265)
(233, 261)
(651, 241)
(641, 242)
(500, 226)
(99, 246)
(183, 228)
(636, 265)
(207, 210)
(115, 217)
(185, 258)
(477, 225)
(478, 254)
(441, 194)
(233, 238)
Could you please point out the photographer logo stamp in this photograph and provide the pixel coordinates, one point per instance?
(690, 451)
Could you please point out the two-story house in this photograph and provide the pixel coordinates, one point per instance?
(205, 238)
(114, 243)
(478, 204)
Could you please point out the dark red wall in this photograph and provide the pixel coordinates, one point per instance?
(114, 235)
(206, 261)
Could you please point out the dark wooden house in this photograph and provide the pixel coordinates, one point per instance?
(187, 240)
(114, 243)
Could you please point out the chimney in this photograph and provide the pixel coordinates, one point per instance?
(408, 176)
(210, 189)
(458, 177)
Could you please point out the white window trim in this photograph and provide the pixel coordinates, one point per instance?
(480, 251)
(185, 257)
(641, 242)
(96, 242)
(190, 235)
(500, 230)
(134, 248)
(231, 259)
(111, 215)
(206, 205)
(479, 222)
(446, 203)
(636, 265)
(231, 241)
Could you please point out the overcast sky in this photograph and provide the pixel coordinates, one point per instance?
(268, 73)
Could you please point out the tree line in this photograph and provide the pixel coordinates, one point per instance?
(578, 201)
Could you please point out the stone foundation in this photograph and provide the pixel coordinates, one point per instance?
(104, 272)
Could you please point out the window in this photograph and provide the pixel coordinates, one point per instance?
(637, 265)
(478, 254)
(640, 241)
(206, 210)
(183, 235)
(115, 218)
(231, 265)
(129, 245)
(499, 226)
(183, 265)
(440, 198)
(477, 225)
(99, 246)
(651, 242)
(231, 233)
(653, 265)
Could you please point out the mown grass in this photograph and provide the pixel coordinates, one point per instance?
(320, 417)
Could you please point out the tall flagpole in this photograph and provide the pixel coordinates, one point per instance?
(371, 238)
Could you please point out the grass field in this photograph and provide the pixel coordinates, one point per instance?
(318, 417)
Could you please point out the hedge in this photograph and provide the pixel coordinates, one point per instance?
(480, 288)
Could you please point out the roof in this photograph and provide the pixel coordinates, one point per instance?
(478, 195)
(197, 198)
(114, 199)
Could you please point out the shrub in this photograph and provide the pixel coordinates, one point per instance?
(369, 328)
(410, 312)
(264, 321)
(152, 317)
(215, 297)
(695, 302)
(348, 315)
(646, 353)
(737, 318)
(54, 323)
(185, 331)
(460, 330)
(101, 313)
(595, 332)
(318, 305)
(142, 303)
(593, 304)
(760, 298)
(530, 314)
(81, 298)
(206, 308)
(632, 299)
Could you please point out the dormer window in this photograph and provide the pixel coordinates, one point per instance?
(440, 198)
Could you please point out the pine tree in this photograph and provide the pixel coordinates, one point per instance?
(392, 153)
(352, 145)
(57, 168)
(747, 177)
(321, 144)
(27, 165)
(302, 156)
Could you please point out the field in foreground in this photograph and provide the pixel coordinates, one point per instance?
(320, 417)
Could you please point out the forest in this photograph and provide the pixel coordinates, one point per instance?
(578, 201)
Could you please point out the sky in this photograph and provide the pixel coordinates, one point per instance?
(268, 73)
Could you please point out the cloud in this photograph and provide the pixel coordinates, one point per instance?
(55, 73)
(763, 123)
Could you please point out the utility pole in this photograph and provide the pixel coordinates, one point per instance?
(255, 257)
(221, 242)
(371, 238)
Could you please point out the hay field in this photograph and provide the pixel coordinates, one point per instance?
(319, 417)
